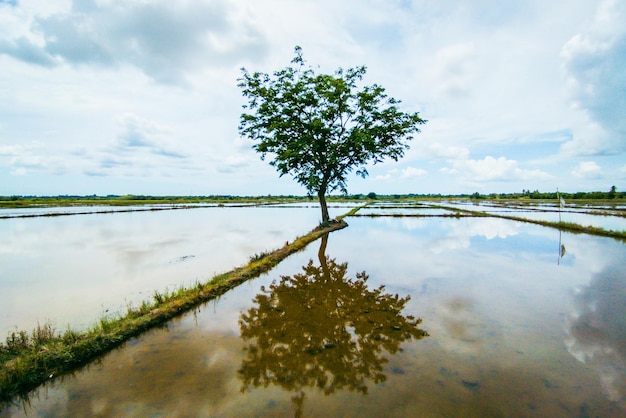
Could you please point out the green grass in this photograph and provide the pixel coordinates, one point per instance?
(353, 211)
(28, 360)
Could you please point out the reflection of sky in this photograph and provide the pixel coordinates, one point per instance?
(404, 211)
(597, 328)
(616, 223)
(507, 273)
(490, 294)
(517, 244)
(39, 211)
(446, 234)
(73, 269)
(501, 264)
(335, 209)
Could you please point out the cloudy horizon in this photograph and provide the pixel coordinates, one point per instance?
(140, 97)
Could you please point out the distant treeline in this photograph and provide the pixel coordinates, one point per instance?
(134, 197)
(597, 195)
(125, 200)
(122, 200)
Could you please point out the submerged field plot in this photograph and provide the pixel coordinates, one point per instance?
(491, 318)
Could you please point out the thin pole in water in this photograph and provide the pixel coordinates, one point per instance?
(558, 260)
(561, 246)
(558, 197)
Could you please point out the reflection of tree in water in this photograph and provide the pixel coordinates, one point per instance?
(321, 329)
(597, 332)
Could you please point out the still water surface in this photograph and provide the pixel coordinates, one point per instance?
(607, 218)
(72, 270)
(513, 330)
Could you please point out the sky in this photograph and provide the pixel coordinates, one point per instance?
(140, 96)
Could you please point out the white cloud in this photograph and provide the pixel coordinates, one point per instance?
(448, 152)
(587, 170)
(594, 61)
(590, 139)
(408, 173)
(164, 39)
(492, 169)
(412, 173)
(141, 133)
(454, 70)
(11, 150)
(34, 158)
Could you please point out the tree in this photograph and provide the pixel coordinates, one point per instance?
(612, 193)
(320, 127)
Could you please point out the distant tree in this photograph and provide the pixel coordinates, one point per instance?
(320, 127)
(612, 193)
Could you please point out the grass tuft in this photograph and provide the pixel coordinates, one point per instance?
(260, 256)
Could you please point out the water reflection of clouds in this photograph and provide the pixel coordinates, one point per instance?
(411, 224)
(168, 373)
(449, 242)
(593, 253)
(495, 312)
(460, 326)
(491, 228)
(18, 239)
(133, 254)
(597, 329)
(71, 269)
(438, 249)
(461, 232)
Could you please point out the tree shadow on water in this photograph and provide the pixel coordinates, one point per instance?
(320, 328)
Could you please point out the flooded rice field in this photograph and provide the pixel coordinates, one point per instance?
(72, 270)
(388, 317)
(609, 218)
(43, 210)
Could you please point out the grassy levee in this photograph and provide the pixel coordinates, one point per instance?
(28, 360)
(563, 226)
(570, 227)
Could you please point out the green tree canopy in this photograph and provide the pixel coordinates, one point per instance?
(321, 127)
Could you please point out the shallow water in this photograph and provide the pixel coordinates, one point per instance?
(72, 270)
(586, 216)
(43, 210)
(515, 330)
(406, 211)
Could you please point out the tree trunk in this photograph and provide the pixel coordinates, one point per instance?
(321, 254)
(321, 195)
